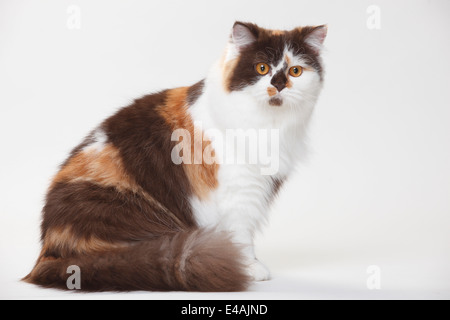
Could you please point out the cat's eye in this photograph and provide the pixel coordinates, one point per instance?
(296, 71)
(262, 68)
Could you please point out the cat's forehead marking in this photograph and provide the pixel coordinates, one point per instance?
(287, 58)
(285, 62)
(281, 66)
(277, 32)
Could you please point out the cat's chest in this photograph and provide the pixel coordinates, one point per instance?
(254, 154)
(239, 188)
(245, 183)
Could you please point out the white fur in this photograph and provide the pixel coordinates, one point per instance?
(315, 39)
(241, 36)
(240, 202)
(99, 140)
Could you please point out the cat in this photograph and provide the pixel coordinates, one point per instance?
(131, 218)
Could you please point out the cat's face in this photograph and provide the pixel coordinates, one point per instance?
(277, 68)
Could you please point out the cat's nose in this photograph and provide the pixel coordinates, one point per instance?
(279, 81)
(279, 86)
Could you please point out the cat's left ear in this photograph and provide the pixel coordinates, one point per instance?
(243, 34)
(315, 38)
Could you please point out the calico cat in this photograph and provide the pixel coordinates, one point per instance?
(131, 218)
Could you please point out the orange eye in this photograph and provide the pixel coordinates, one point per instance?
(296, 71)
(262, 68)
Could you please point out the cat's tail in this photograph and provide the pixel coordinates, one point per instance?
(198, 260)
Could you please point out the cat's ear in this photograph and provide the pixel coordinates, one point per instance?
(243, 34)
(315, 38)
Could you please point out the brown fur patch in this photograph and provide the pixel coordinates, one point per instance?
(93, 211)
(195, 91)
(48, 258)
(105, 168)
(143, 138)
(277, 183)
(195, 260)
(202, 176)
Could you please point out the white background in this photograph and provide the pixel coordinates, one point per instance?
(376, 188)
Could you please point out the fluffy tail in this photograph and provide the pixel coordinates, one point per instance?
(190, 261)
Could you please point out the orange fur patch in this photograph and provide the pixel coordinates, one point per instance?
(174, 111)
(288, 60)
(277, 32)
(227, 71)
(289, 83)
(202, 176)
(103, 167)
(272, 91)
(289, 63)
(63, 241)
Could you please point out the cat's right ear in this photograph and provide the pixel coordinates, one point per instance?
(243, 34)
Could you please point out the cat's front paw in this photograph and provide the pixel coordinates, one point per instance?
(258, 271)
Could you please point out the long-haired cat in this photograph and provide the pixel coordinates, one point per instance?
(131, 218)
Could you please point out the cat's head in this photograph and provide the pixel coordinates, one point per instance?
(277, 68)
